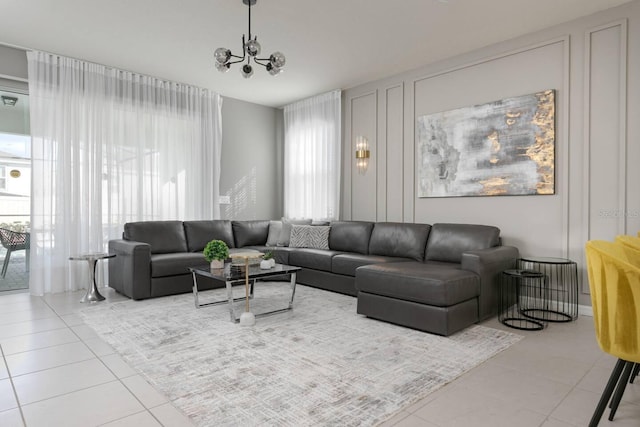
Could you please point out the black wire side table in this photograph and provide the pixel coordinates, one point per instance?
(561, 288)
(520, 304)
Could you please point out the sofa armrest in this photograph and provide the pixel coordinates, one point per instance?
(130, 270)
(489, 264)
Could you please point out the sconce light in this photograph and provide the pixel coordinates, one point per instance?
(362, 154)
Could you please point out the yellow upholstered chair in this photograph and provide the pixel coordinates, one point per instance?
(629, 240)
(615, 297)
(631, 247)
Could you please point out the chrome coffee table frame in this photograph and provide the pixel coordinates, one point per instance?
(233, 277)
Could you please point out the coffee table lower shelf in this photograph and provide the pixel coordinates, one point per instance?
(232, 279)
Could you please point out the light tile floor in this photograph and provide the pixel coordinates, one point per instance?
(55, 371)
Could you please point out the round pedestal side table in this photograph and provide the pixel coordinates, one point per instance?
(519, 291)
(561, 287)
(92, 294)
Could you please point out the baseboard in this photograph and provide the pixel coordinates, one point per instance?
(585, 310)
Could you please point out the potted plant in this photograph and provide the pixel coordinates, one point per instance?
(267, 261)
(216, 252)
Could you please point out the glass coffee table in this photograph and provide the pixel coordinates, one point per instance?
(234, 276)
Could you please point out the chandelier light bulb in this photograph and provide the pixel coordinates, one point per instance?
(274, 71)
(223, 68)
(277, 59)
(247, 71)
(252, 47)
(222, 55)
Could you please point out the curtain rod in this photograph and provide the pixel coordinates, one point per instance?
(163, 80)
(14, 46)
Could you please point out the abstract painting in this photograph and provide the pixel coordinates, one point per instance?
(501, 148)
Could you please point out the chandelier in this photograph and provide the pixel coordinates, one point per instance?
(250, 50)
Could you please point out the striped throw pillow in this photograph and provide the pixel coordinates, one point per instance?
(310, 236)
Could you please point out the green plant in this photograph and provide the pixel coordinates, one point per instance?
(216, 249)
(268, 255)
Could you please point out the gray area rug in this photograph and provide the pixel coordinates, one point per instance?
(320, 364)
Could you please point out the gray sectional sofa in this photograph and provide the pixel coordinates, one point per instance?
(439, 278)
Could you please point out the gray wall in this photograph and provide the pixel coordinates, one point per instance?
(13, 77)
(593, 63)
(252, 147)
(251, 160)
(13, 65)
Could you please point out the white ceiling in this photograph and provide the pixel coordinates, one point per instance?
(329, 44)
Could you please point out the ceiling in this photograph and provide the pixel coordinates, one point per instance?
(329, 44)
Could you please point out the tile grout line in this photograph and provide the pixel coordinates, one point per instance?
(573, 388)
(13, 387)
(109, 369)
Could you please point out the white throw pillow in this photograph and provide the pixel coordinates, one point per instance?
(285, 235)
(275, 229)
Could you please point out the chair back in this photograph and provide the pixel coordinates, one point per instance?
(631, 247)
(615, 297)
(14, 240)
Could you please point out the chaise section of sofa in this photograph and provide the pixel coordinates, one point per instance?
(353, 244)
(455, 286)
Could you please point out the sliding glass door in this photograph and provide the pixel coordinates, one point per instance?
(15, 189)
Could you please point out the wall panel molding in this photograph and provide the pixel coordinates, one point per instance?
(393, 184)
(491, 58)
(590, 123)
(562, 113)
(605, 130)
(363, 118)
(381, 157)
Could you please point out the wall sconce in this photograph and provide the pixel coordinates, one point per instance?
(362, 154)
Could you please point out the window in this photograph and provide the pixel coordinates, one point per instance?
(312, 158)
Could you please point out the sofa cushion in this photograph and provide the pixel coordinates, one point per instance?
(162, 236)
(347, 263)
(199, 233)
(447, 242)
(397, 239)
(287, 224)
(310, 236)
(275, 229)
(163, 265)
(248, 233)
(316, 259)
(414, 281)
(281, 255)
(350, 236)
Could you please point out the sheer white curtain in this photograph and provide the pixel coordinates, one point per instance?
(109, 147)
(312, 157)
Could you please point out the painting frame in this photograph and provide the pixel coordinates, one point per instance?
(500, 148)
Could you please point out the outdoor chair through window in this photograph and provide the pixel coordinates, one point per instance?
(13, 241)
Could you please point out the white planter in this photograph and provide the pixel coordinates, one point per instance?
(273, 262)
(217, 263)
(265, 264)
